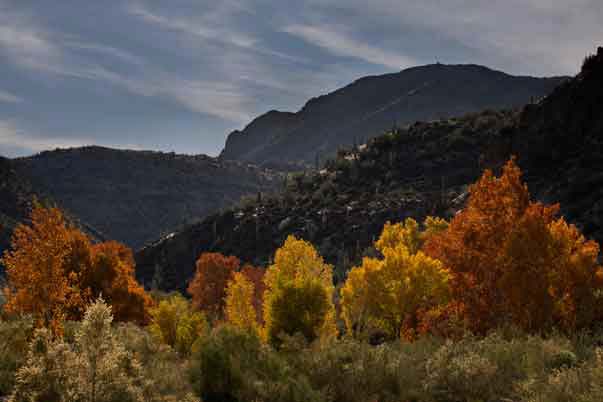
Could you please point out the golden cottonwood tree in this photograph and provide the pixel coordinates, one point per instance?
(298, 268)
(513, 261)
(390, 294)
(240, 311)
(175, 323)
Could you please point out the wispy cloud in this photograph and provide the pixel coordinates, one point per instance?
(197, 28)
(9, 98)
(342, 44)
(12, 137)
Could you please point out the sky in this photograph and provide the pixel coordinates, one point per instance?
(179, 75)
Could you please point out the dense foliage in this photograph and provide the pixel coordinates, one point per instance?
(502, 244)
(501, 303)
(53, 271)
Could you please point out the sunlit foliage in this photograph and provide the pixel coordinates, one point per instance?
(392, 293)
(240, 311)
(53, 270)
(174, 323)
(300, 272)
(208, 287)
(96, 369)
(513, 260)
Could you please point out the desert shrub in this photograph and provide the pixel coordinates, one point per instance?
(233, 365)
(351, 371)
(96, 368)
(482, 369)
(164, 370)
(14, 344)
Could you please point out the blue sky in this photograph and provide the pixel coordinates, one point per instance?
(179, 75)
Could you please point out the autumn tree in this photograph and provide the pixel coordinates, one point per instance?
(391, 294)
(299, 272)
(174, 323)
(239, 309)
(256, 277)
(53, 271)
(111, 274)
(208, 287)
(35, 267)
(513, 260)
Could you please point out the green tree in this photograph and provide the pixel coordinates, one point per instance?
(298, 268)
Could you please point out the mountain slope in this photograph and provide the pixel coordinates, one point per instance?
(372, 105)
(15, 200)
(419, 170)
(136, 196)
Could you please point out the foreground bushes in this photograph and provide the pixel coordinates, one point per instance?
(125, 362)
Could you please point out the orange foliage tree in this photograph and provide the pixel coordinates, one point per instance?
(513, 261)
(208, 287)
(256, 276)
(53, 272)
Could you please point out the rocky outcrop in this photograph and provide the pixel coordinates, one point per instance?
(372, 105)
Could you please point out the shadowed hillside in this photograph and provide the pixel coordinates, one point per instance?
(136, 196)
(419, 170)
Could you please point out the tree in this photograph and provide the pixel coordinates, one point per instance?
(175, 324)
(35, 268)
(240, 311)
(297, 308)
(409, 234)
(513, 261)
(208, 287)
(111, 274)
(392, 293)
(256, 276)
(53, 271)
(299, 269)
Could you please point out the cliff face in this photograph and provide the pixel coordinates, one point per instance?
(422, 169)
(373, 105)
(137, 196)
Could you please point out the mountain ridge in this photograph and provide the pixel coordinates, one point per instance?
(373, 104)
(414, 171)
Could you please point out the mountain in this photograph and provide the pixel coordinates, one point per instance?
(137, 196)
(373, 105)
(414, 171)
(15, 200)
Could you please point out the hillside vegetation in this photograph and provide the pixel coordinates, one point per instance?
(410, 172)
(138, 196)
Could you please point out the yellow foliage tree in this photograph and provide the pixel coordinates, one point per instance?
(176, 324)
(409, 234)
(390, 294)
(240, 311)
(297, 266)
